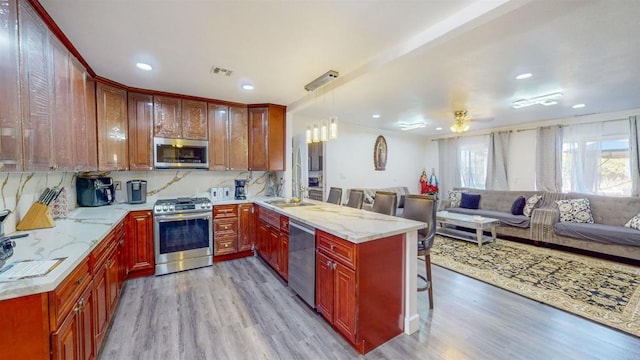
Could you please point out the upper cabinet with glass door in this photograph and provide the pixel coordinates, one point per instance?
(10, 128)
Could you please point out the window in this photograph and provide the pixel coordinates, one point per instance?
(473, 152)
(595, 158)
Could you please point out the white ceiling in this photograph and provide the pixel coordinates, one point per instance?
(405, 60)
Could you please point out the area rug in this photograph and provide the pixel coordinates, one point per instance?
(599, 290)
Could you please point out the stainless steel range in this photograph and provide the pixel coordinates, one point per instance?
(183, 234)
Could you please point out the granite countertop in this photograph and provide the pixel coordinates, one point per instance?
(351, 224)
(75, 237)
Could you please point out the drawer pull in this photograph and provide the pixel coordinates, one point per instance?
(79, 281)
(331, 247)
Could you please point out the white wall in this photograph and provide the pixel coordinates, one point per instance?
(349, 159)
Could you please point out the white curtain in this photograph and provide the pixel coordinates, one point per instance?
(634, 155)
(582, 154)
(597, 158)
(498, 158)
(448, 165)
(548, 158)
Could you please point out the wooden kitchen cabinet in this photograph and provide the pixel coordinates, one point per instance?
(112, 127)
(225, 230)
(140, 247)
(361, 300)
(83, 112)
(104, 262)
(246, 227)
(11, 158)
(74, 338)
(167, 118)
(283, 248)
(194, 120)
(36, 89)
(267, 137)
(272, 240)
(62, 122)
(228, 137)
(140, 131)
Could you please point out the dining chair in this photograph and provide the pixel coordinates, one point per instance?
(385, 202)
(356, 197)
(423, 208)
(335, 196)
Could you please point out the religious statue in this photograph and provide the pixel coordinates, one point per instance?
(429, 185)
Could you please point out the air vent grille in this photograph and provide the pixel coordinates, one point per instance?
(217, 70)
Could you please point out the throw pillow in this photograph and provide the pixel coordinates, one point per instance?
(575, 210)
(470, 201)
(634, 223)
(454, 198)
(518, 205)
(531, 204)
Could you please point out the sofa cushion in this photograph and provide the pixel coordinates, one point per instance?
(470, 201)
(532, 203)
(455, 197)
(634, 223)
(606, 234)
(518, 206)
(575, 210)
(506, 218)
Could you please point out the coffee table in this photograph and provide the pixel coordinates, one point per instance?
(480, 224)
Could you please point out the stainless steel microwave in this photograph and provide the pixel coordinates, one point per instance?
(180, 153)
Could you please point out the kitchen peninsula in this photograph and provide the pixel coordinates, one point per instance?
(34, 308)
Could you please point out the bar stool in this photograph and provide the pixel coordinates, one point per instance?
(423, 208)
(356, 197)
(335, 196)
(385, 202)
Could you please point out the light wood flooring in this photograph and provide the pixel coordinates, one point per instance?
(240, 309)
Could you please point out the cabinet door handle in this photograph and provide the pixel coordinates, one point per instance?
(329, 263)
(334, 266)
(331, 247)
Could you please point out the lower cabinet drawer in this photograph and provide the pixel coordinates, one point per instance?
(64, 297)
(225, 245)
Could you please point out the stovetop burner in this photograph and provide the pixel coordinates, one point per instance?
(182, 205)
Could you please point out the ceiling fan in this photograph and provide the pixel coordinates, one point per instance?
(462, 120)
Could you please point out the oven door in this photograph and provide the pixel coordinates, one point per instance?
(179, 237)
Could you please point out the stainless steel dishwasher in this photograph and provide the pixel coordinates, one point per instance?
(302, 261)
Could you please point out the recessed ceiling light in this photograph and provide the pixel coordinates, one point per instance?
(375, 116)
(438, 129)
(247, 86)
(578, 106)
(143, 66)
(524, 76)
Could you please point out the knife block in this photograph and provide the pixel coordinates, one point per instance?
(38, 217)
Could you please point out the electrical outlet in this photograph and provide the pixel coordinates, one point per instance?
(118, 185)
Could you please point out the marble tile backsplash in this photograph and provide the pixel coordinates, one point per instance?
(18, 191)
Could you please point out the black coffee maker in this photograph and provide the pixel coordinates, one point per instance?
(241, 192)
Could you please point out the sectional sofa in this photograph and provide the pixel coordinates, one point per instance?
(606, 235)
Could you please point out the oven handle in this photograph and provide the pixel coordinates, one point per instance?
(165, 218)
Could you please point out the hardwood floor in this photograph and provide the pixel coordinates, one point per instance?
(240, 309)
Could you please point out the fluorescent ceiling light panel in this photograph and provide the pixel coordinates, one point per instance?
(411, 126)
(546, 100)
(143, 66)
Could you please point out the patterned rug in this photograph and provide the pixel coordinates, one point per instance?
(599, 290)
